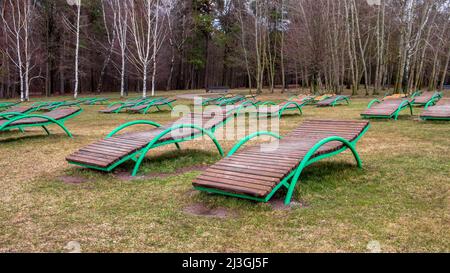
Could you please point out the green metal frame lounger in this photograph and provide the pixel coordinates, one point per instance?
(57, 117)
(158, 104)
(5, 105)
(214, 100)
(116, 149)
(117, 107)
(387, 109)
(303, 99)
(17, 110)
(232, 100)
(94, 101)
(256, 174)
(437, 110)
(270, 108)
(333, 101)
(41, 104)
(425, 97)
(61, 104)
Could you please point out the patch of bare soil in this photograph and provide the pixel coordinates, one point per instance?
(201, 210)
(73, 179)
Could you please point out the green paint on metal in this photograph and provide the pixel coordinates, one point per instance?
(373, 102)
(151, 145)
(9, 124)
(132, 123)
(307, 160)
(250, 137)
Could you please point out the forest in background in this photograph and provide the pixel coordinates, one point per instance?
(52, 47)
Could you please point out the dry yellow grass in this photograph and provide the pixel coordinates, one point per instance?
(401, 198)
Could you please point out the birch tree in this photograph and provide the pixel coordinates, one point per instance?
(77, 48)
(17, 24)
(147, 37)
(120, 24)
(111, 41)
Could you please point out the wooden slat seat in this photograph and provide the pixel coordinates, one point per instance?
(107, 152)
(331, 101)
(55, 117)
(424, 98)
(18, 109)
(386, 108)
(116, 107)
(57, 114)
(441, 111)
(142, 107)
(256, 173)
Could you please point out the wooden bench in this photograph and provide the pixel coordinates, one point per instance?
(217, 89)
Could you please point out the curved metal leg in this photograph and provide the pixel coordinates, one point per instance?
(308, 156)
(167, 131)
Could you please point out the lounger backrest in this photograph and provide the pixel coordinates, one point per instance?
(57, 114)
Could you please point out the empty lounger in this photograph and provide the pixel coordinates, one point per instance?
(115, 149)
(302, 99)
(388, 108)
(116, 107)
(270, 108)
(57, 117)
(257, 174)
(144, 108)
(333, 101)
(440, 111)
(4, 105)
(17, 110)
(425, 97)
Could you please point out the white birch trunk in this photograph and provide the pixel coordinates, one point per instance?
(77, 49)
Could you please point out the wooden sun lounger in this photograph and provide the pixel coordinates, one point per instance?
(94, 101)
(116, 107)
(388, 108)
(440, 111)
(302, 99)
(61, 104)
(425, 97)
(333, 101)
(57, 117)
(17, 110)
(5, 105)
(115, 149)
(256, 174)
(270, 108)
(145, 108)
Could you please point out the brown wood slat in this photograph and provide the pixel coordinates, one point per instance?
(247, 171)
(251, 167)
(211, 176)
(230, 188)
(242, 175)
(125, 144)
(235, 182)
(228, 174)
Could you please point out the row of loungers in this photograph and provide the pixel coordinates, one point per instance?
(143, 105)
(53, 105)
(391, 107)
(251, 173)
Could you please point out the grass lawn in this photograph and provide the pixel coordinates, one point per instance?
(401, 198)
